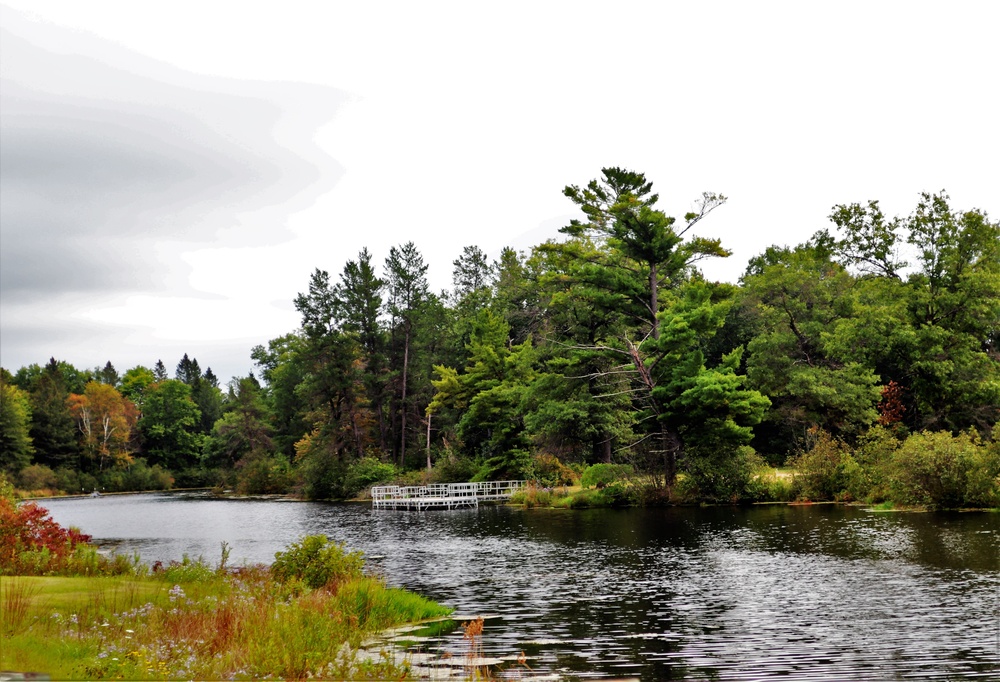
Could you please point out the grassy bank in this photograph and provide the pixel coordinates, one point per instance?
(72, 613)
(194, 622)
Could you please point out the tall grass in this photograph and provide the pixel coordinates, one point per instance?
(15, 599)
(237, 624)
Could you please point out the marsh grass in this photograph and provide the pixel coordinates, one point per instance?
(15, 600)
(235, 624)
(472, 633)
(535, 496)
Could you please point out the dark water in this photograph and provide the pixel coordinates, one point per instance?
(773, 592)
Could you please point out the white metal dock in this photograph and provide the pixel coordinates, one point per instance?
(442, 495)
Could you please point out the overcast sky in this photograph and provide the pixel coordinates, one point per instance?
(172, 173)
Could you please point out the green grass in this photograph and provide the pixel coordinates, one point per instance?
(244, 625)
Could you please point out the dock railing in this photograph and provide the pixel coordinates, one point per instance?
(442, 495)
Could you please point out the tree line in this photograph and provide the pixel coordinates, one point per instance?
(608, 345)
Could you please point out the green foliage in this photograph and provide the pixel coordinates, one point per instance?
(317, 562)
(703, 407)
(37, 477)
(620, 493)
(873, 454)
(137, 476)
(7, 491)
(616, 494)
(608, 344)
(710, 475)
(509, 464)
(135, 382)
(54, 433)
(284, 367)
(942, 470)
(169, 425)
(801, 300)
(935, 333)
(366, 472)
(601, 475)
(16, 445)
(260, 474)
(71, 481)
(825, 470)
(533, 496)
(451, 467)
(187, 570)
(551, 472)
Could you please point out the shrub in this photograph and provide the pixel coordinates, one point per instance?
(7, 491)
(600, 475)
(366, 472)
(38, 477)
(582, 499)
(187, 571)
(31, 542)
(774, 486)
(550, 472)
(826, 470)
(983, 483)
(71, 481)
(450, 467)
(512, 464)
(721, 476)
(942, 470)
(137, 476)
(873, 454)
(262, 474)
(619, 494)
(317, 562)
(196, 477)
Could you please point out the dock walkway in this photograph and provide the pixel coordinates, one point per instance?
(442, 495)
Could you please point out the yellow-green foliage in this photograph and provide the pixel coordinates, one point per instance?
(874, 454)
(600, 475)
(317, 562)
(550, 472)
(824, 472)
(927, 469)
(942, 470)
(533, 496)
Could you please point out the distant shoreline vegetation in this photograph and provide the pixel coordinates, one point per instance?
(855, 372)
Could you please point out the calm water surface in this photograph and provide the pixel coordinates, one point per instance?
(789, 592)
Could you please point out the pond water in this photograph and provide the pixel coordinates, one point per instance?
(768, 592)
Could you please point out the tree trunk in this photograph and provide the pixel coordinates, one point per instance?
(428, 442)
(671, 444)
(402, 407)
(654, 300)
(602, 449)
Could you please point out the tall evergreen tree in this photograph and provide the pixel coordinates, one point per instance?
(160, 371)
(406, 277)
(359, 294)
(107, 375)
(53, 430)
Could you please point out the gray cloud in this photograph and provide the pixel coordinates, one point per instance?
(113, 164)
(100, 162)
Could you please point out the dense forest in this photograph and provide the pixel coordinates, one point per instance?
(607, 346)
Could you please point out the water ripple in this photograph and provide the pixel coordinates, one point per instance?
(805, 593)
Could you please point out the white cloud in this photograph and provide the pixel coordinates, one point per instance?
(456, 124)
